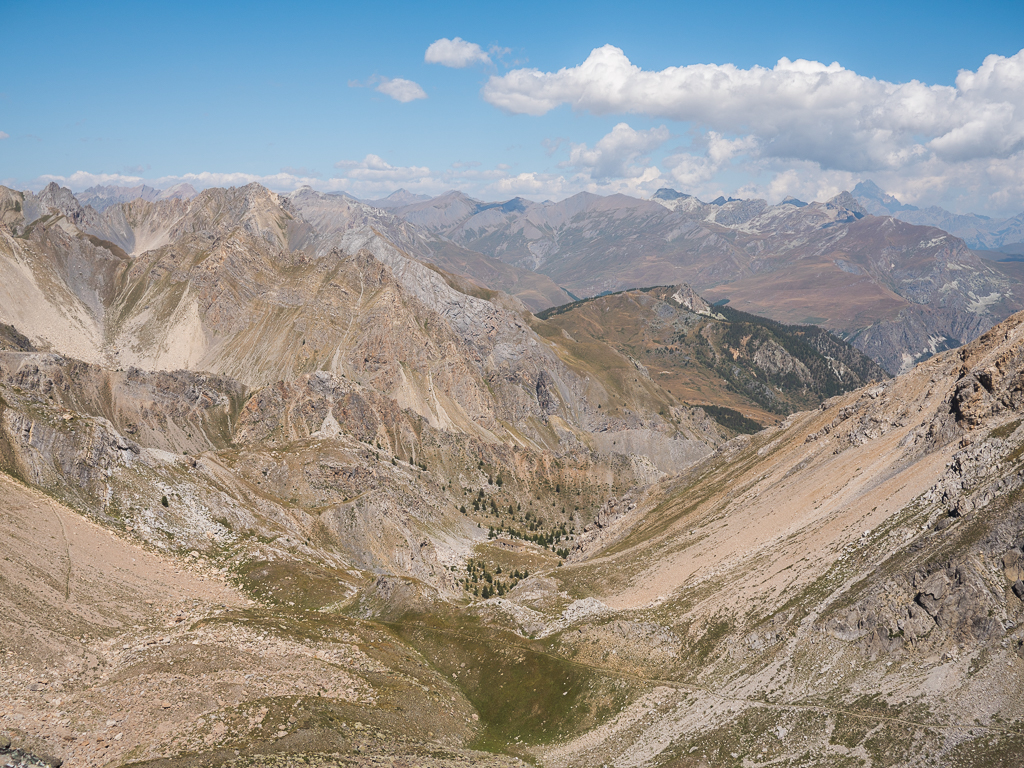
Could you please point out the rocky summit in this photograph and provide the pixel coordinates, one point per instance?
(304, 480)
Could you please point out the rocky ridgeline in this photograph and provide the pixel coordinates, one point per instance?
(960, 584)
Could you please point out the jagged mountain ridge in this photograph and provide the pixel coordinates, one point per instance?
(977, 231)
(897, 291)
(877, 201)
(102, 197)
(139, 225)
(245, 287)
(338, 217)
(589, 244)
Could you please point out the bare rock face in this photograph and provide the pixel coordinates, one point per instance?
(965, 592)
(50, 453)
(990, 384)
(688, 298)
(172, 411)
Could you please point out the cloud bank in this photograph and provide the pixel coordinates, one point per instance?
(617, 154)
(800, 109)
(803, 124)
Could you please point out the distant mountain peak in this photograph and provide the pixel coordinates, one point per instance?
(722, 200)
(54, 196)
(515, 205)
(399, 198)
(793, 201)
(101, 197)
(877, 201)
(849, 202)
(667, 193)
(689, 299)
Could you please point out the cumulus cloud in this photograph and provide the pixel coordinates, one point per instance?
(400, 90)
(800, 110)
(457, 53)
(4, 136)
(531, 184)
(374, 175)
(619, 153)
(803, 180)
(692, 171)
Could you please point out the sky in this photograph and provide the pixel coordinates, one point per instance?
(542, 100)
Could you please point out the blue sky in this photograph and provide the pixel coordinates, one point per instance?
(287, 94)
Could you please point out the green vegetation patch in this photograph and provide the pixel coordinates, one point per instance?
(1003, 432)
(283, 582)
(524, 694)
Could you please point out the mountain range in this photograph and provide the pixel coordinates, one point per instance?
(976, 230)
(102, 197)
(286, 481)
(898, 292)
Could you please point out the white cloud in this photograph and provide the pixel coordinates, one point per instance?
(400, 89)
(617, 154)
(458, 53)
(531, 184)
(803, 180)
(799, 110)
(691, 171)
(279, 182)
(80, 180)
(4, 136)
(375, 167)
(373, 175)
(370, 177)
